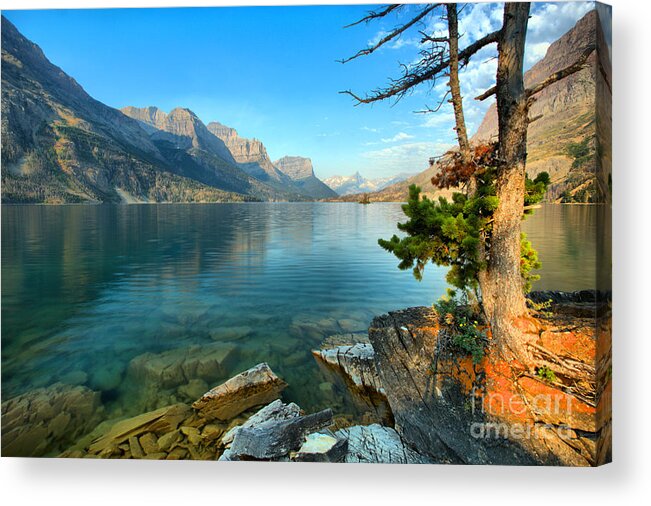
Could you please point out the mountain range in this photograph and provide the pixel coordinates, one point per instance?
(61, 145)
(355, 184)
(563, 139)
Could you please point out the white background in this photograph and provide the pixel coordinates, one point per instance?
(626, 481)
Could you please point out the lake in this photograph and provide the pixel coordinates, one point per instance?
(88, 289)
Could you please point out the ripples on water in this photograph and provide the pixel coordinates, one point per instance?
(85, 289)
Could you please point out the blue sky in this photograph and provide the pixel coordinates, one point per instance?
(272, 73)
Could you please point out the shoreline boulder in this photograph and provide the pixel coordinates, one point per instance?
(276, 411)
(355, 359)
(276, 440)
(253, 387)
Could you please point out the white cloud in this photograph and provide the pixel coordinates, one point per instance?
(548, 22)
(534, 52)
(477, 20)
(401, 136)
(409, 157)
(369, 129)
(442, 118)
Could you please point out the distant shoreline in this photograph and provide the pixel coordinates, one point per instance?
(90, 204)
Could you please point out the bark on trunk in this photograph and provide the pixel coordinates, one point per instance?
(455, 89)
(501, 284)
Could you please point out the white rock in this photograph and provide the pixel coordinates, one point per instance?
(377, 444)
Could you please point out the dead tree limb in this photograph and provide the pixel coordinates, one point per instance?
(553, 78)
(395, 33)
(375, 15)
(423, 73)
(455, 87)
(561, 74)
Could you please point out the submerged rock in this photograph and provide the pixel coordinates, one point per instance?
(376, 444)
(180, 366)
(49, 419)
(253, 387)
(177, 375)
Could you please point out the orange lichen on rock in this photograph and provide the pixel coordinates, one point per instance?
(553, 409)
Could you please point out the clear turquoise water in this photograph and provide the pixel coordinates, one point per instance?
(88, 288)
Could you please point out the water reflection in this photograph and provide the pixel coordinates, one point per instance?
(88, 289)
(566, 240)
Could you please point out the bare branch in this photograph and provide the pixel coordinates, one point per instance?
(561, 74)
(375, 15)
(395, 33)
(534, 118)
(425, 72)
(429, 110)
(429, 38)
(358, 99)
(489, 92)
(555, 77)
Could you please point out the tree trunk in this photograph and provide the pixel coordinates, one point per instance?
(455, 89)
(501, 284)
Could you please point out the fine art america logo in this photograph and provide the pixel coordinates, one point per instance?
(497, 406)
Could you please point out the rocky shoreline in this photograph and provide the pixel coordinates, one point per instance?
(425, 401)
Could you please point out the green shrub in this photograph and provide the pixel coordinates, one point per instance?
(463, 323)
(546, 374)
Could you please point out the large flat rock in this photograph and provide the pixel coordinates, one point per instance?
(492, 412)
(253, 387)
(160, 421)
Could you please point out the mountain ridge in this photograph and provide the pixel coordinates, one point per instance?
(61, 145)
(563, 141)
(300, 170)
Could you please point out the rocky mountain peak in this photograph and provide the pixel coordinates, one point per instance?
(150, 118)
(296, 167)
(565, 110)
(222, 131)
(251, 154)
(181, 127)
